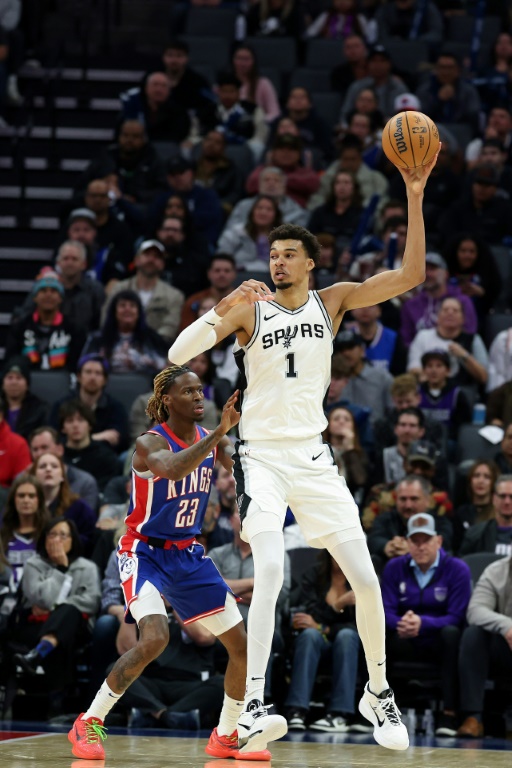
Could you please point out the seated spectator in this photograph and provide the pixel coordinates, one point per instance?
(343, 18)
(153, 106)
(248, 244)
(500, 361)
(325, 628)
(7, 595)
(77, 423)
(25, 410)
(390, 249)
(46, 337)
(285, 125)
(368, 385)
(24, 518)
(203, 204)
(83, 295)
(468, 356)
(235, 563)
(351, 160)
(400, 19)
(340, 373)
(486, 644)
(499, 405)
(368, 128)
(409, 427)
(301, 182)
(446, 97)
(493, 535)
(255, 89)
(387, 537)
(133, 161)
(441, 399)
(61, 595)
(380, 78)
(189, 89)
(275, 19)
(82, 484)
(81, 228)
(425, 594)
(219, 529)
(313, 130)
(503, 458)
(405, 393)
(50, 471)
(221, 275)
(215, 169)
(187, 252)
(493, 82)
(384, 347)
(340, 214)
(421, 310)
(481, 479)
(111, 419)
(241, 121)
(481, 211)
(161, 302)
(272, 182)
(493, 153)
(125, 340)
(472, 267)
(498, 126)
(355, 63)
(351, 459)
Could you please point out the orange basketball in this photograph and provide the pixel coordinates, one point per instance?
(410, 139)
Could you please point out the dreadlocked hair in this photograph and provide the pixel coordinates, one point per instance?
(155, 408)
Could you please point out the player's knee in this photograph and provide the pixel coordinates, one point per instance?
(235, 642)
(367, 582)
(154, 636)
(272, 574)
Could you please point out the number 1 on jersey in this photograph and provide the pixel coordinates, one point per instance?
(291, 373)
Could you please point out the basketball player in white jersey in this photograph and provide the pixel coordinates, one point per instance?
(283, 349)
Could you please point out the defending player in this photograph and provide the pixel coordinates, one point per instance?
(284, 347)
(158, 556)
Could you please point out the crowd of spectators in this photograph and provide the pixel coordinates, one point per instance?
(150, 242)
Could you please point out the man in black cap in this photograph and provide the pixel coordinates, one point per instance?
(24, 411)
(483, 211)
(46, 337)
(381, 80)
(203, 204)
(367, 386)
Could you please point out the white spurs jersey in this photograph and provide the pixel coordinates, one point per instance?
(286, 370)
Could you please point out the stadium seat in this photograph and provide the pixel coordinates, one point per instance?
(324, 54)
(472, 446)
(125, 387)
(213, 52)
(494, 324)
(408, 56)
(50, 385)
(211, 22)
(280, 53)
(242, 157)
(460, 28)
(314, 80)
(328, 106)
(478, 562)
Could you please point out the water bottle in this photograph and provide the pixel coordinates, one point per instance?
(479, 414)
(428, 723)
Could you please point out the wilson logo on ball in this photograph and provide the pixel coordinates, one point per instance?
(399, 136)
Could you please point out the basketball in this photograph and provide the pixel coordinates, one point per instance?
(410, 139)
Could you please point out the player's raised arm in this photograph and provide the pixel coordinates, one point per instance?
(152, 452)
(229, 316)
(387, 285)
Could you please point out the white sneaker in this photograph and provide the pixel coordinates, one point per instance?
(256, 728)
(382, 712)
(330, 724)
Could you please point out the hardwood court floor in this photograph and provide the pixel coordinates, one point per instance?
(53, 751)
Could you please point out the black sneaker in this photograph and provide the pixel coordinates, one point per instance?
(29, 662)
(296, 720)
(446, 725)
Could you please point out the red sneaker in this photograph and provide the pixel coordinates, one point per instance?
(86, 737)
(227, 746)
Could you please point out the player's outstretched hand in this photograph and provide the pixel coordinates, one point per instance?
(416, 178)
(230, 416)
(249, 292)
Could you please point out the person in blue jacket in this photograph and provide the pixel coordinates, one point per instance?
(425, 595)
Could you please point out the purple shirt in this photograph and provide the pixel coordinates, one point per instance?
(421, 312)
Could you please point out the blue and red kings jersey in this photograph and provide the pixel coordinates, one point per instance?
(168, 509)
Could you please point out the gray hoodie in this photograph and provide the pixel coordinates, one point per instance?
(490, 606)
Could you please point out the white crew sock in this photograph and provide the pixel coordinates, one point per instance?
(230, 712)
(102, 703)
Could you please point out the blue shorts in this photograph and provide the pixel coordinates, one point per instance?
(186, 578)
